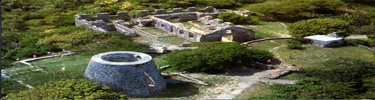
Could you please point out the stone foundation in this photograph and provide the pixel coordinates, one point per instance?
(132, 73)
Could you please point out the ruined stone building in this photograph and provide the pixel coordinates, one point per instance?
(209, 30)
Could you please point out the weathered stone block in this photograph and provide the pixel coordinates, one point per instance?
(209, 9)
(192, 9)
(103, 16)
(187, 17)
(99, 23)
(160, 11)
(215, 21)
(205, 19)
(123, 15)
(83, 16)
(177, 10)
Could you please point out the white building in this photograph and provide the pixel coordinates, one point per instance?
(324, 40)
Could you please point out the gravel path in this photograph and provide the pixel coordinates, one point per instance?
(247, 79)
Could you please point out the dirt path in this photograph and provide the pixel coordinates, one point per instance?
(231, 84)
(247, 78)
(250, 78)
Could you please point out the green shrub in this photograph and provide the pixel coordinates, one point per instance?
(308, 88)
(342, 69)
(326, 6)
(295, 10)
(319, 26)
(360, 1)
(10, 86)
(339, 78)
(68, 89)
(366, 42)
(295, 43)
(364, 30)
(34, 22)
(237, 19)
(215, 56)
(345, 77)
(213, 3)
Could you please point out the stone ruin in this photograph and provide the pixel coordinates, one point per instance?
(132, 73)
(213, 30)
(100, 22)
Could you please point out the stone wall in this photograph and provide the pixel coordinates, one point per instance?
(158, 19)
(99, 22)
(239, 34)
(175, 29)
(207, 11)
(122, 28)
(137, 76)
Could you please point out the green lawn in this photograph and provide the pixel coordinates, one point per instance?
(294, 76)
(156, 32)
(268, 45)
(269, 29)
(173, 40)
(313, 55)
(187, 25)
(199, 23)
(75, 66)
(257, 90)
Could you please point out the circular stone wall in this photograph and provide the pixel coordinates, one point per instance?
(132, 73)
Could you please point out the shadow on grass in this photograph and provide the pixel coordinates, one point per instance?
(338, 46)
(177, 90)
(244, 72)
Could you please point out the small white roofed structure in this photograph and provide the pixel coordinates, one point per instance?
(324, 40)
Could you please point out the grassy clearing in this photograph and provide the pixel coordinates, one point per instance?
(269, 29)
(173, 40)
(187, 25)
(199, 23)
(294, 76)
(268, 45)
(75, 66)
(313, 55)
(257, 90)
(157, 32)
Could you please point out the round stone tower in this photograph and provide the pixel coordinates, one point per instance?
(132, 73)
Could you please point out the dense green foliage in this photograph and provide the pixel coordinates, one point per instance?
(35, 27)
(215, 57)
(369, 2)
(366, 42)
(10, 86)
(238, 19)
(295, 43)
(295, 10)
(68, 89)
(309, 88)
(340, 78)
(70, 38)
(319, 26)
(364, 30)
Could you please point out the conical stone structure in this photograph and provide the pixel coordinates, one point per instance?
(132, 73)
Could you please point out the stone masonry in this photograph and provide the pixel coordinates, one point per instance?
(214, 30)
(132, 73)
